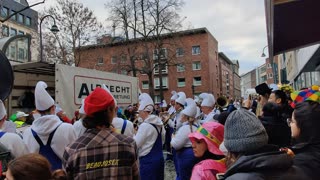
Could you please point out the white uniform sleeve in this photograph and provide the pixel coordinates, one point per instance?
(15, 144)
(143, 134)
(129, 129)
(180, 138)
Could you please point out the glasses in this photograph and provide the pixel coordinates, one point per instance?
(208, 135)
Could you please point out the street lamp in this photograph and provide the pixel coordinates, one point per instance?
(263, 55)
(54, 29)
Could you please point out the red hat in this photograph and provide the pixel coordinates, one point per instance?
(212, 133)
(97, 101)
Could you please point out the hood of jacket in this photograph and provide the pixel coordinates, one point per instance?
(46, 124)
(153, 119)
(265, 161)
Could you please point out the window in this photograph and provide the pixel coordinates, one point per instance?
(14, 17)
(197, 81)
(20, 18)
(164, 83)
(100, 60)
(181, 82)
(123, 58)
(21, 54)
(4, 12)
(13, 32)
(157, 99)
(13, 52)
(163, 54)
(113, 60)
(195, 50)
(164, 69)
(181, 68)
(27, 21)
(20, 33)
(270, 75)
(179, 52)
(196, 65)
(5, 30)
(145, 84)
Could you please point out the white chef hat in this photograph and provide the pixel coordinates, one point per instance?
(146, 102)
(196, 99)
(174, 95)
(43, 99)
(81, 110)
(3, 111)
(208, 99)
(107, 89)
(191, 109)
(181, 98)
(164, 104)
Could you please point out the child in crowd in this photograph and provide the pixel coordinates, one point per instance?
(205, 144)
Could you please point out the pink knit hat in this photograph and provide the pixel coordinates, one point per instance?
(212, 133)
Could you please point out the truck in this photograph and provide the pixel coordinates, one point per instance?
(67, 85)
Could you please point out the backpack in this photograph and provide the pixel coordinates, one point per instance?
(5, 156)
(47, 151)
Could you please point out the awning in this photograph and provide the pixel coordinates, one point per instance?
(292, 24)
(42, 68)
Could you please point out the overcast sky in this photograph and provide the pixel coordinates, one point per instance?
(238, 25)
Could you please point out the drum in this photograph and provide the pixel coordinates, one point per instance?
(6, 77)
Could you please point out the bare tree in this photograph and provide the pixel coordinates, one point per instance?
(150, 23)
(78, 27)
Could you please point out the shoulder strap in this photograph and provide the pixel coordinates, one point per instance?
(156, 128)
(51, 135)
(2, 133)
(124, 126)
(195, 125)
(35, 135)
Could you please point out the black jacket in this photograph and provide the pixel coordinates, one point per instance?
(307, 158)
(267, 163)
(278, 131)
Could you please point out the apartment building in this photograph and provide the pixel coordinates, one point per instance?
(19, 34)
(194, 53)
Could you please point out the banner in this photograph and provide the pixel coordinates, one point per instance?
(74, 84)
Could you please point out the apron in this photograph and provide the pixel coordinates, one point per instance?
(152, 164)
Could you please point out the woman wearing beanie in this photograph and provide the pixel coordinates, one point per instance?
(205, 144)
(305, 127)
(101, 153)
(181, 143)
(249, 154)
(149, 139)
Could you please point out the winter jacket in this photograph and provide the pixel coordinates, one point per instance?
(279, 132)
(307, 157)
(266, 163)
(207, 169)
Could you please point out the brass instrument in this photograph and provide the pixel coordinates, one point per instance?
(165, 116)
(222, 103)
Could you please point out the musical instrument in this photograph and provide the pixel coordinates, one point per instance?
(165, 116)
(222, 103)
(6, 77)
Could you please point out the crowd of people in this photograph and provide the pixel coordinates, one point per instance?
(272, 135)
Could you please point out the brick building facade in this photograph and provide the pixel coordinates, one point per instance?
(194, 53)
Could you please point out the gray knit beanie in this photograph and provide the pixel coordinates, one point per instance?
(244, 132)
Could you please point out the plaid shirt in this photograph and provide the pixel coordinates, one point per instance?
(101, 154)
